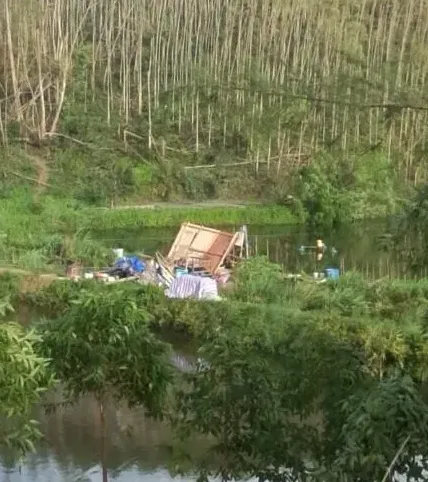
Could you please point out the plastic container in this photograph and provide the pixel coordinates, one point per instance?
(332, 273)
(118, 252)
(180, 272)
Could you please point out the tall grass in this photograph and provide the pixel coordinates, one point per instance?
(255, 304)
(40, 237)
(280, 80)
(173, 217)
(43, 236)
(25, 225)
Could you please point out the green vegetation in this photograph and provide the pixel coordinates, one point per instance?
(98, 343)
(311, 382)
(43, 236)
(104, 347)
(24, 376)
(136, 102)
(173, 217)
(410, 231)
(300, 375)
(400, 301)
(333, 192)
(293, 375)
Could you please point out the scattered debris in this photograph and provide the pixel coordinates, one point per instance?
(200, 259)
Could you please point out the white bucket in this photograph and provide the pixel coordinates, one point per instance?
(118, 252)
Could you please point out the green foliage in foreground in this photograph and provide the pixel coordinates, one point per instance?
(24, 376)
(312, 401)
(331, 385)
(103, 346)
(328, 381)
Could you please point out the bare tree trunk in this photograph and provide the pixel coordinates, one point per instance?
(12, 61)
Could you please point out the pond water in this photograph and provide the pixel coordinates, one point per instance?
(137, 448)
(356, 247)
(70, 451)
(71, 447)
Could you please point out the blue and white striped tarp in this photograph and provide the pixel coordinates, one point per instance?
(190, 286)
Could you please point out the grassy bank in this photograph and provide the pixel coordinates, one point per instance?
(40, 236)
(19, 214)
(259, 292)
(160, 217)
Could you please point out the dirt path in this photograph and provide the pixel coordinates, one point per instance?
(29, 281)
(42, 175)
(189, 205)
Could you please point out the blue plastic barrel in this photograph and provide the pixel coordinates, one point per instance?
(332, 273)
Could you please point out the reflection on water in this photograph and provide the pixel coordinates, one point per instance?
(48, 470)
(137, 448)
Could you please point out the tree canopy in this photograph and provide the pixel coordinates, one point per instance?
(103, 346)
(295, 382)
(127, 99)
(316, 404)
(331, 394)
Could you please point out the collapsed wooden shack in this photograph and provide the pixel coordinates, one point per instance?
(204, 250)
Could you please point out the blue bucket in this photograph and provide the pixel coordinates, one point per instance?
(332, 273)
